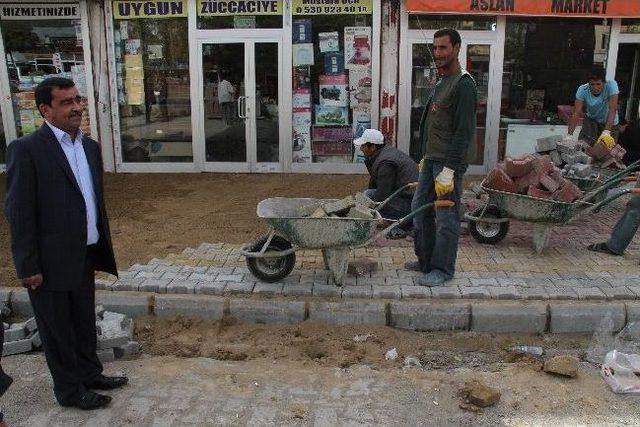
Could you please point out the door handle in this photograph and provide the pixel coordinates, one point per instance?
(242, 107)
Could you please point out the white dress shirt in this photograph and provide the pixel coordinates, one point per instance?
(74, 151)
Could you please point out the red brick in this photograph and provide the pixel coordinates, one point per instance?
(556, 174)
(518, 166)
(498, 179)
(543, 164)
(618, 152)
(549, 183)
(568, 193)
(524, 182)
(599, 151)
(536, 192)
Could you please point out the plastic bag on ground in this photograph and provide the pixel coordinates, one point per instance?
(622, 372)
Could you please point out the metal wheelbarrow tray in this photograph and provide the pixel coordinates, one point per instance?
(490, 223)
(272, 257)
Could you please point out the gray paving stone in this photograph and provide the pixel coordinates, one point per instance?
(204, 277)
(127, 284)
(370, 281)
(517, 317)
(462, 281)
(594, 283)
(106, 355)
(180, 286)
(483, 282)
(415, 292)
(584, 317)
(398, 281)
(268, 289)
(154, 285)
(183, 275)
(130, 304)
(503, 292)
(533, 293)
(105, 284)
(326, 291)
(239, 288)
(149, 275)
(508, 281)
(210, 288)
(301, 290)
(15, 333)
(590, 293)
(230, 277)
(142, 267)
(167, 268)
(429, 316)
(475, 292)
(20, 304)
(561, 293)
(633, 312)
(346, 281)
(445, 292)
(409, 274)
(349, 312)
(267, 311)
(387, 292)
(618, 293)
(198, 306)
(468, 274)
(16, 347)
(357, 291)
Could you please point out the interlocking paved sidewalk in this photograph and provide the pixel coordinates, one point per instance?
(509, 270)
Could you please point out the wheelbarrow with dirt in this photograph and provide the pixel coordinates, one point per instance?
(272, 257)
(489, 223)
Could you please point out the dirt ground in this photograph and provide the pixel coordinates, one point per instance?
(153, 215)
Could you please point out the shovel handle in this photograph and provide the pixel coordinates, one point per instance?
(634, 190)
(445, 203)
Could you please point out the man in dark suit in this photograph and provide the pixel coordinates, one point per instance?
(59, 237)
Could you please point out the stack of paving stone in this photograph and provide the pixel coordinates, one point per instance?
(534, 175)
(348, 207)
(577, 159)
(115, 336)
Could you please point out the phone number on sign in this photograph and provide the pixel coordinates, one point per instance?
(329, 10)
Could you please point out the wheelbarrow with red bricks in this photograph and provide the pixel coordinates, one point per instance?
(489, 223)
(272, 257)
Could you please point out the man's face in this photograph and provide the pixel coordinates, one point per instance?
(444, 52)
(368, 149)
(596, 86)
(65, 111)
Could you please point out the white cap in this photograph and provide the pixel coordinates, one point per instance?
(371, 136)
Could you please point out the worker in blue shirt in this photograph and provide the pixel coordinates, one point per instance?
(598, 100)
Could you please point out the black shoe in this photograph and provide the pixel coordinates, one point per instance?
(90, 400)
(102, 382)
(5, 382)
(603, 248)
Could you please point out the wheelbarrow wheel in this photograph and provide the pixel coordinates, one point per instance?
(272, 269)
(488, 233)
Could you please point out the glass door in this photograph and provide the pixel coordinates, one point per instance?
(240, 115)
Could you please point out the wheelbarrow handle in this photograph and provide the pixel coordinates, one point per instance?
(383, 203)
(597, 206)
(614, 180)
(436, 205)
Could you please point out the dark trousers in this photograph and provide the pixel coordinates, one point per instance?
(437, 230)
(66, 322)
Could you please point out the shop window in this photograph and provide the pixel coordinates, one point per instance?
(332, 95)
(239, 14)
(3, 141)
(154, 95)
(36, 50)
(464, 22)
(545, 60)
(424, 76)
(630, 26)
(628, 79)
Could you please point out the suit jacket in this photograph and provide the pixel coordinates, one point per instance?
(47, 213)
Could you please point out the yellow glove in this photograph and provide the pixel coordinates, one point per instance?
(607, 139)
(444, 182)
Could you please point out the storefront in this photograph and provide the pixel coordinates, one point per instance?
(285, 85)
(527, 57)
(242, 86)
(40, 40)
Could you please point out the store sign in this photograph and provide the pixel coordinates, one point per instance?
(123, 9)
(21, 11)
(239, 7)
(571, 8)
(332, 7)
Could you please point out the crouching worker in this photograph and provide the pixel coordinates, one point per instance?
(389, 170)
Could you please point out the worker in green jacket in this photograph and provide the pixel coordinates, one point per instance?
(447, 132)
